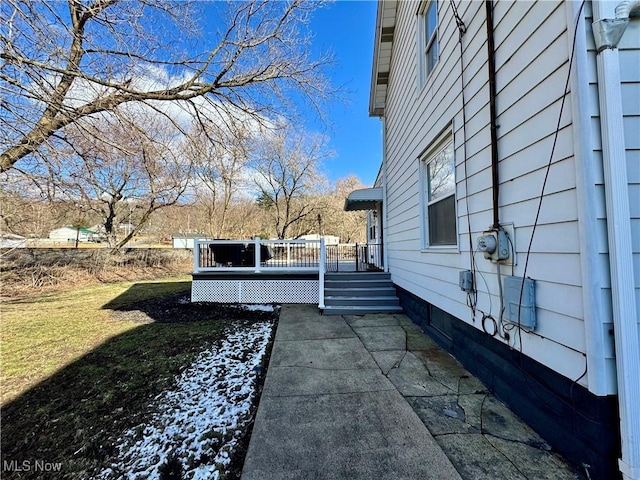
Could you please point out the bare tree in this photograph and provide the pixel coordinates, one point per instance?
(288, 179)
(115, 169)
(349, 226)
(64, 62)
(24, 214)
(246, 220)
(220, 154)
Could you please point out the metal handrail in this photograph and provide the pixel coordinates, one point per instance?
(256, 255)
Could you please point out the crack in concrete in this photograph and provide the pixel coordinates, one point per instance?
(474, 429)
(486, 437)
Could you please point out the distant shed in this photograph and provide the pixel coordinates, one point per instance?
(69, 234)
(185, 241)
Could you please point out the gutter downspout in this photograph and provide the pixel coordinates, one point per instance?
(619, 229)
(385, 248)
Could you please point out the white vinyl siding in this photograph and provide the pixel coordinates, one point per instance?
(532, 56)
(629, 54)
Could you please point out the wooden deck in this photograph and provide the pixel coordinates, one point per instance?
(273, 271)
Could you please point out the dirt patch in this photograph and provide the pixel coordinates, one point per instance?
(179, 308)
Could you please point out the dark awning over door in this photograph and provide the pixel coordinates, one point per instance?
(364, 199)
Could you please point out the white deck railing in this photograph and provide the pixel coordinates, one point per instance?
(258, 256)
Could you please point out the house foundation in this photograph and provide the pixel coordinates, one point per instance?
(581, 426)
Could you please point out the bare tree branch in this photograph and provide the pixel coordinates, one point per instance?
(288, 166)
(59, 68)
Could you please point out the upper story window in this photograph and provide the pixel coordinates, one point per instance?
(439, 181)
(428, 26)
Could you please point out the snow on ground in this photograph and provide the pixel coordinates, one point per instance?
(200, 421)
(258, 308)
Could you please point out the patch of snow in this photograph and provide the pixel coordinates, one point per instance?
(200, 421)
(259, 308)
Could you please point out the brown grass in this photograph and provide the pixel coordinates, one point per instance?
(31, 271)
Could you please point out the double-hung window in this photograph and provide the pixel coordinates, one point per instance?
(428, 25)
(439, 181)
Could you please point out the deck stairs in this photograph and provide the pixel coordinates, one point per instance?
(359, 293)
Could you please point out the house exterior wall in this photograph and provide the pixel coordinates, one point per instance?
(571, 349)
(182, 242)
(630, 71)
(68, 234)
(532, 62)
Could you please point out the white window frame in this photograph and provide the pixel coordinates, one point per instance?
(373, 226)
(440, 143)
(424, 43)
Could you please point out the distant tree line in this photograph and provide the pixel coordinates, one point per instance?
(127, 113)
(34, 217)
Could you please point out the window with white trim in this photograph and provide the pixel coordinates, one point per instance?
(428, 49)
(373, 222)
(439, 192)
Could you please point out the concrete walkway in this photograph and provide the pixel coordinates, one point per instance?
(373, 397)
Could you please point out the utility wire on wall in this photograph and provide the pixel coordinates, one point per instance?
(472, 296)
(488, 323)
(548, 167)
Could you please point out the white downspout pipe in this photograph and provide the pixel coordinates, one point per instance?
(385, 241)
(321, 273)
(625, 316)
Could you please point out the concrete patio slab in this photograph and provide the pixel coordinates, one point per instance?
(328, 354)
(483, 457)
(382, 338)
(305, 330)
(290, 381)
(327, 411)
(363, 435)
(368, 397)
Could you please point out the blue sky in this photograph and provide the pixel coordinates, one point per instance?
(347, 28)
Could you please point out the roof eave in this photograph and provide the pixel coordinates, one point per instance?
(385, 27)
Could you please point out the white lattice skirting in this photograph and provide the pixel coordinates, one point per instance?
(255, 291)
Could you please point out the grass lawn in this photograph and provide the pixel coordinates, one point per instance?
(80, 367)
(40, 335)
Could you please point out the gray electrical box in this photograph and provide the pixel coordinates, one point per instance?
(466, 281)
(521, 313)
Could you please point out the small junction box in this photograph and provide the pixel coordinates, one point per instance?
(466, 281)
